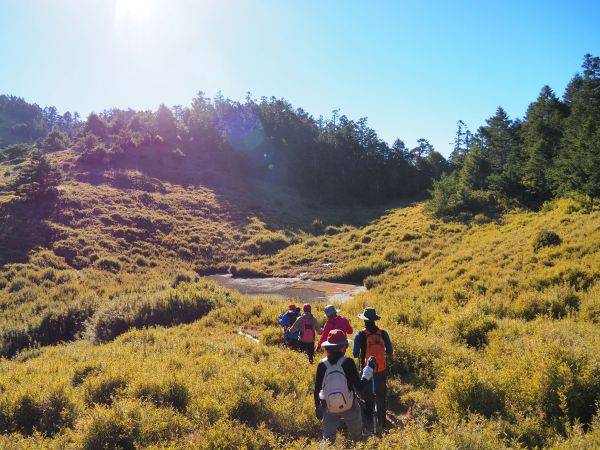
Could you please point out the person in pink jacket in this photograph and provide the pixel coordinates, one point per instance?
(334, 322)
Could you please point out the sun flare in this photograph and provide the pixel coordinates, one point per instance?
(134, 9)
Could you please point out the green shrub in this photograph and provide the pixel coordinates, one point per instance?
(422, 358)
(271, 336)
(62, 322)
(99, 155)
(570, 387)
(183, 304)
(357, 272)
(473, 328)
(451, 199)
(410, 236)
(141, 261)
(14, 337)
(57, 412)
(171, 393)
(109, 264)
(25, 412)
(103, 388)
(107, 428)
(17, 284)
(49, 274)
(546, 238)
(398, 256)
(468, 391)
(184, 277)
(28, 410)
(230, 434)
(158, 426)
(574, 276)
(331, 230)
(590, 306)
(371, 282)
(246, 271)
(82, 372)
(267, 243)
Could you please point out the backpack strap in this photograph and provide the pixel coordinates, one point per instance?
(338, 363)
(369, 333)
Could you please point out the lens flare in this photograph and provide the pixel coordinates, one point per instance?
(243, 129)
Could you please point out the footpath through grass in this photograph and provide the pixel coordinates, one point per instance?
(495, 323)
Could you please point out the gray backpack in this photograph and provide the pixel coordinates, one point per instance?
(335, 391)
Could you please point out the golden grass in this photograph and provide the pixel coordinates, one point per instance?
(496, 338)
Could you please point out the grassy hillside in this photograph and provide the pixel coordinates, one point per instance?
(114, 230)
(495, 323)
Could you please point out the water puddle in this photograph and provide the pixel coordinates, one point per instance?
(290, 288)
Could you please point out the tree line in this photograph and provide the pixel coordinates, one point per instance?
(337, 159)
(334, 159)
(553, 151)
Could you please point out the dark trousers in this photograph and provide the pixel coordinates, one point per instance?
(309, 348)
(380, 394)
(292, 343)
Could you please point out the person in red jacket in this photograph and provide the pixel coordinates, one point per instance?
(334, 322)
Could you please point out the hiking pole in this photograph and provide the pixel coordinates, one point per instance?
(373, 363)
(375, 409)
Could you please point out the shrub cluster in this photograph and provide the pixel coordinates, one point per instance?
(546, 238)
(183, 304)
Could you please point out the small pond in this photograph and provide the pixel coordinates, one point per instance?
(290, 288)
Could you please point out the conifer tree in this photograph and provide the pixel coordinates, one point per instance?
(541, 132)
(37, 180)
(578, 164)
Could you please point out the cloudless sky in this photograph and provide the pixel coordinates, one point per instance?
(414, 68)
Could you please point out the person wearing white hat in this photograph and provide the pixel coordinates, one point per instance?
(334, 322)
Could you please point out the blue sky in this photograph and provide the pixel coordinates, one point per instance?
(414, 68)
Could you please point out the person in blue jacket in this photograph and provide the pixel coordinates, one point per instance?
(286, 320)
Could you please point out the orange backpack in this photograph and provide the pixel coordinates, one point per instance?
(376, 348)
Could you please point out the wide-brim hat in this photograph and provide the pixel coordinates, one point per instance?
(330, 310)
(336, 338)
(369, 314)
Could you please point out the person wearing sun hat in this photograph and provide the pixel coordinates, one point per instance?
(373, 342)
(337, 379)
(334, 322)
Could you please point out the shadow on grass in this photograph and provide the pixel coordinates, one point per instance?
(23, 227)
(243, 197)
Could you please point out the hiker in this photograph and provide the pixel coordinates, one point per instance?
(336, 383)
(286, 320)
(369, 342)
(308, 327)
(334, 322)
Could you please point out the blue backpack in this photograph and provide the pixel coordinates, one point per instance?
(286, 320)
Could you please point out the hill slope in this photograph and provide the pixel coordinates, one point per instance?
(495, 324)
